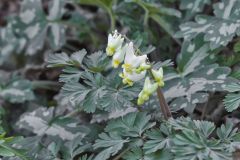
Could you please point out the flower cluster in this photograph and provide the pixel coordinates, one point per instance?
(134, 66)
(149, 88)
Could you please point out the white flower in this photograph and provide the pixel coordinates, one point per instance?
(118, 57)
(148, 90)
(132, 61)
(131, 58)
(114, 43)
(130, 78)
(158, 76)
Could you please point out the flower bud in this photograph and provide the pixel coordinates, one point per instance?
(114, 43)
(140, 101)
(147, 91)
(118, 57)
(158, 76)
(143, 67)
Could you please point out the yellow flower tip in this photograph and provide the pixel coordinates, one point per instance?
(140, 101)
(158, 76)
(138, 72)
(110, 50)
(128, 81)
(161, 83)
(143, 67)
(128, 67)
(145, 96)
(148, 66)
(116, 63)
(121, 75)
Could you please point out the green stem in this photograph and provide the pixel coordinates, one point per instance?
(112, 18)
(146, 15)
(50, 85)
(74, 112)
(121, 154)
(162, 101)
(165, 26)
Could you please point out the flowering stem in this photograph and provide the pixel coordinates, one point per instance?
(122, 153)
(146, 15)
(50, 85)
(73, 113)
(112, 19)
(162, 101)
(163, 104)
(136, 48)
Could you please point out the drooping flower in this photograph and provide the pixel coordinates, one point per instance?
(147, 91)
(134, 67)
(115, 41)
(158, 76)
(130, 78)
(132, 61)
(118, 57)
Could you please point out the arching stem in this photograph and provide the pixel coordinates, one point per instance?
(163, 104)
(162, 101)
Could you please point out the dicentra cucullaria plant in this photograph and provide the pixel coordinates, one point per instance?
(119, 99)
(135, 68)
(113, 82)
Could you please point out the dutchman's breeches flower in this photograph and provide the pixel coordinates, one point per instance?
(134, 67)
(158, 76)
(131, 59)
(130, 78)
(147, 91)
(114, 43)
(118, 57)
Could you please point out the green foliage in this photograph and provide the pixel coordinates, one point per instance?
(237, 47)
(156, 141)
(7, 149)
(215, 28)
(100, 3)
(182, 138)
(196, 73)
(33, 20)
(190, 143)
(193, 6)
(96, 86)
(43, 122)
(232, 100)
(120, 131)
(112, 142)
(62, 59)
(16, 90)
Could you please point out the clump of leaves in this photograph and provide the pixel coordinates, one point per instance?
(182, 138)
(232, 100)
